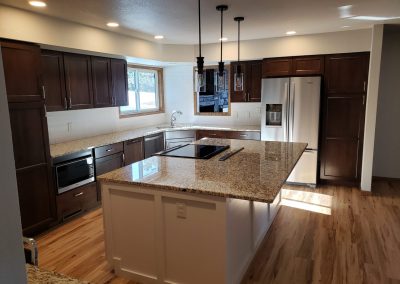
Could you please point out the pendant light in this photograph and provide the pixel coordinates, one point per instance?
(221, 67)
(201, 77)
(239, 76)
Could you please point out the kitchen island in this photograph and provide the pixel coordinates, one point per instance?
(179, 220)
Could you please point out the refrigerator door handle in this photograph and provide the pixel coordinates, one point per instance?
(293, 96)
(287, 104)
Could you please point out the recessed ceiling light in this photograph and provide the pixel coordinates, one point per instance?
(374, 18)
(291, 32)
(113, 24)
(158, 36)
(223, 39)
(37, 4)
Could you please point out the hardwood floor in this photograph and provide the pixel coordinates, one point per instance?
(326, 235)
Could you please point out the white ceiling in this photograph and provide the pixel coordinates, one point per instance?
(177, 19)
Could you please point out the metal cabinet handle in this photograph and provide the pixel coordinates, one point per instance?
(70, 102)
(248, 96)
(243, 135)
(44, 92)
(78, 194)
(123, 159)
(365, 86)
(65, 103)
(109, 150)
(213, 134)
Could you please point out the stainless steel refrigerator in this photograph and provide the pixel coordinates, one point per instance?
(290, 112)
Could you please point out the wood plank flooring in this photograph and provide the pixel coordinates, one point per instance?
(329, 234)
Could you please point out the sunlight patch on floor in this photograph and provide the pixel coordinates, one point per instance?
(310, 201)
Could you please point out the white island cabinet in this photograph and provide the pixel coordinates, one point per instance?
(175, 220)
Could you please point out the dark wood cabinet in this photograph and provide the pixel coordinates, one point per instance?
(134, 150)
(101, 79)
(22, 74)
(78, 79)
(119, 78)
(346, 73)
(107, 150)
(343, 114)
(32, 156)
(308, 65)
(76, 201)
(275, 67)
(53, 80)
(243, 135)
(153, 143)
(252, 71)
(109, 163)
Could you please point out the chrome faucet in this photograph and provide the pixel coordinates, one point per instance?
(173, 118)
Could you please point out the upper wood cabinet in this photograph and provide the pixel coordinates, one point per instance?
(53, 80)
(252, 71)
(101, 79)
(293, 66)
(275, 67)
(78, 79)
(308, 65)
(119, 76)
(22, 64)
(347, 73)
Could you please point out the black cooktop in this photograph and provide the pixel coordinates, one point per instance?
(194, 151)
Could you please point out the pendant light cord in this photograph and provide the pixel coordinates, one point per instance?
(199, 31)
(222, 24)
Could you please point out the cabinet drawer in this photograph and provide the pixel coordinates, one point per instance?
(76, 201)
(180, 134)
(211, 134)
(109, 163)
(108, 150)
(244, 135)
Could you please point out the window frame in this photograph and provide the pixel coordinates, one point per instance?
(159, 93)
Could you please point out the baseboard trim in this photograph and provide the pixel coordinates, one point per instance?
(377, 178)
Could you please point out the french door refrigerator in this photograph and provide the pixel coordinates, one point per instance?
(290, 113)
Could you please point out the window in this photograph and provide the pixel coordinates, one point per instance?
(144, 92)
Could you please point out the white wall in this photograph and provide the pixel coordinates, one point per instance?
(371, 107)
(76, 124)
(12, 262)
(334, 42)
(27, 26)
(387, 136)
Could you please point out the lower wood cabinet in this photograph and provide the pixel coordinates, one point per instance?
(76, 201)
(244, 135)
(133, 150)
(109, 163)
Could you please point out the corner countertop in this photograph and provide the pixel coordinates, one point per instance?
(257, 173)
(61, 149)
(36, 275)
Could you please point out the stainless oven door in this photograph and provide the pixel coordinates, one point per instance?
(75, 173)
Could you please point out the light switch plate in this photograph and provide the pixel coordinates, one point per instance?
(181, 210)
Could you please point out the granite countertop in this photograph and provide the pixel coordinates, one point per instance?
(61, 149)
(257, 173)
(36, 275)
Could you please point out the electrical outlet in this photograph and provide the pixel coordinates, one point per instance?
(69, 126)
(181, 210)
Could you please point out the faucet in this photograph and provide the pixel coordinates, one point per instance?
(173, 118)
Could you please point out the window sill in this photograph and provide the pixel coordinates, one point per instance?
(140, 113)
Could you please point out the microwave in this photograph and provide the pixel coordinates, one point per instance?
(74, 170)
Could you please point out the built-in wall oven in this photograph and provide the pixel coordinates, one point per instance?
(74, 170)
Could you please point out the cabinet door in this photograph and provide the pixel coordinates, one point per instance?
(308, 65)
(53, 80)
(101, 79)
(254, 81)
(119, 82)
(78, 80)
(109, 163)
(346, 73)
(36, 199)
(153, 144)
(275, 67)
(29, 133)
(133, 150)
(238, 96)
(343, 117)
(21, 63)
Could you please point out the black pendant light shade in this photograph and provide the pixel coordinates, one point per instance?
(201, 78)
(239, 76)
(221, 67)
